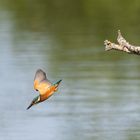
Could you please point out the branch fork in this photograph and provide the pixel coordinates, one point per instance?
(122, 45)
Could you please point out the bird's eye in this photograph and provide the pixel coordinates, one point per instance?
(36, 90)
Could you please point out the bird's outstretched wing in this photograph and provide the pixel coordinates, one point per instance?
(41, 83)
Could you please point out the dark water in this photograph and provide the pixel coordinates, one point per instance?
(99, 98)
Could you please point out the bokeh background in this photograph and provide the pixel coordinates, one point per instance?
(99, 97)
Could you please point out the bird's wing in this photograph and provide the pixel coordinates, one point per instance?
(41, 83)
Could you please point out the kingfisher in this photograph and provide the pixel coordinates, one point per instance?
(44, 86)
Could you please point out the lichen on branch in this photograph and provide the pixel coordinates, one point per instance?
(122, 45)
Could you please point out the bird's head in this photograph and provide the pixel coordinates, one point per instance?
(34, 101)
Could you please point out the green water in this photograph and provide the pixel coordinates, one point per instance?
(99, 97)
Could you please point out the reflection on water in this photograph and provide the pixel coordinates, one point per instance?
(99, 95)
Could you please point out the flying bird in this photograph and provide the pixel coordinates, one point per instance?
(44, 86)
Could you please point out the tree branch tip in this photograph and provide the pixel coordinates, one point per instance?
(107, 44)
(119, 33)
(122, 46)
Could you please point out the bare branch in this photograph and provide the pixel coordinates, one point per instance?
(109, 46)
(122, 46)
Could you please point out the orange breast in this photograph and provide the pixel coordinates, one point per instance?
(36, 83)
(48, 93)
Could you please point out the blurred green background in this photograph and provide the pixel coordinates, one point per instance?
(98, 98)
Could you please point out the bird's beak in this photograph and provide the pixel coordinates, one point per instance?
(30, 106)
(34, 101)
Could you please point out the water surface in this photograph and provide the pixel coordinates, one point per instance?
(99, 95)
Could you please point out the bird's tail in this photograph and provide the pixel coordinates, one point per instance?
(58, 82)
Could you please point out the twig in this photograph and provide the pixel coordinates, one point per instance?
(122, 46)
